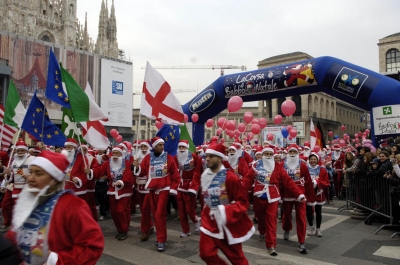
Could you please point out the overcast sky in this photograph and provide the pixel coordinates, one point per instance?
(239, 32)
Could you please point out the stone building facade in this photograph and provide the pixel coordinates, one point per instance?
(389, 54)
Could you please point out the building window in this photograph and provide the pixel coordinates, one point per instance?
(297, 102)
(393, 60)
(153, 122)
(143, 122)
(133, 122)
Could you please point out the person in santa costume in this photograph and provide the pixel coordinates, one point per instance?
(300, 175)
(51, 225)
(237, 161)
(242, 153)
(146, 223)
(120, 179)
(163, 180)
(338, 165)
(306, 153)
(267, 176)
(320, 181)
(225, 223)
(190, 169)
(101, 187)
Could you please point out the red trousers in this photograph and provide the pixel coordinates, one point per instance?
(301, 223)
(158, 204)
(90, 199)
(134, 201)
(209, 251)
(7, 206)
(337, 182)
(120, 213)
(186, 207)
(266, 217)
(145, 221)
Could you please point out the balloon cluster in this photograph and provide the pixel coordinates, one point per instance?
(115, 134)
(359, 137)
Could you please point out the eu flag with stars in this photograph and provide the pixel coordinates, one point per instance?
(33, 124)
(54, 87)
(170, 135)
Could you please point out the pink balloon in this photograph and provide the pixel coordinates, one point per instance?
(342, 142)
(289, 127)
(195, 117)
(236, 133)
(241, 127)
(215, 138)
(248, 117)
(221, 121)
(114, 133)
(255, 128)
(359, 134)
(270, 137)
(329, 142)
(235, 103)
(119, 138)
(355, 135)
(290, 138)
(278, 119)
(256, 121)
(288, 107)
(263, 122)
(209, 123)
(293, 132)
(159, 124)
(330, 133)
(219, 131)
(317, 148)
(185, 118)
(353, 140)
(367, 131)
(250, 136)
(230, 125)
(343, 128)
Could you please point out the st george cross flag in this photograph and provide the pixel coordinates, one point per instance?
(54, 88)
(15, 111)
(158, 101)
(83, 108)
(93, 131)
(313, 135)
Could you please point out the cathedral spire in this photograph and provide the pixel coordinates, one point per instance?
(113, 23)
(85, 35)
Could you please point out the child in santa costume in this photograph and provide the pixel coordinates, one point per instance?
(102, 186)
(338, 165)
(163, 180)
(225, 223)
(300, 175)
(190, 169)
(45, 227)
(320, 181)
(267, 176)
(120, 179)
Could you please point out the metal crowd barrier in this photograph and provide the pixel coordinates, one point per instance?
(372, 194)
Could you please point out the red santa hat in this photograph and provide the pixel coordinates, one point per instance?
(233, 147)
(156, 140)
(198, 148)
(146, 143)
(184, 143)
(313, 154)
(117, 148)
(328, 160)
(328, 147)
(267, 149)
(293, 147)
(83, 146)
(91, 151)
(307, 144)
(337, 147)
(123, 146)
(136, 143)
(239, 144)
(37, 150)
(53, 163)
(71, 141)
(259, 150)
(21, 145)
(217, 149)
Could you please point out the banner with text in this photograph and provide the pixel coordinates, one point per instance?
(278, 139)
(386, 119)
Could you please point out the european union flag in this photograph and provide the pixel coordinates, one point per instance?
(170, 135)
(33, 124)
(54, 87)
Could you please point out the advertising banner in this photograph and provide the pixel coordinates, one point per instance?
(116, 92)
(278, 137)
(386, 119)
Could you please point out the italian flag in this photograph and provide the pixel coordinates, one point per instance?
(15, 112)
(83, 108)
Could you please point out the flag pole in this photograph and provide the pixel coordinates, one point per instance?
(13, 149)
(79, 139)
(1, 136)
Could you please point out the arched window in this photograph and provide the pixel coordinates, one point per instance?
(297, 102)
(45, 38)
(393, 60)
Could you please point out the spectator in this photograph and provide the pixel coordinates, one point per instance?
(394, 179)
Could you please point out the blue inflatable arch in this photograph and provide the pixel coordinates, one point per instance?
(351, 83)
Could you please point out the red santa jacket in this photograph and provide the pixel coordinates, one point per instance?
(320, 179)
(241, 168)
(169, 178)
(230, 217)
(77, 170)
(17, 175)
(302, 179)
(338, 162)
(92, 163)
(74, 237)
(267, 183)
(190, 173)
(124, 176)
(4, 158)
(247, 158)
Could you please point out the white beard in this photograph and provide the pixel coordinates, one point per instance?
(233, 159)
(18, 161)
(248, 151)
(292, 162)
(182, 156)
(269, 163)
(336, 155)
(329, 152)
(24, 206)
(69, 154)
(124, 153)
(321, 154)
(140, 155)
(115, 165)
(99, 159)
(307, 153)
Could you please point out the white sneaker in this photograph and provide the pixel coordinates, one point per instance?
(311, 231)
(286, 235)
(272, 252)
(102, 218)
(318, 233)
(197, 226)
(185, 234)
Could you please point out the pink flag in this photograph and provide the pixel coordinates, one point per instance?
(158, 101)
(93, 131)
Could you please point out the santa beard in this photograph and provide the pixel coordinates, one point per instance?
(336, 155)
(292, 162)
(115, 164)
(141, 155)
(269, 163)
(248, 151)
(182, 156)
(321, 154)
(233, 158)
(307, 153)
(25, 204)
(69, 154)
(19, 160)
(99, 159)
